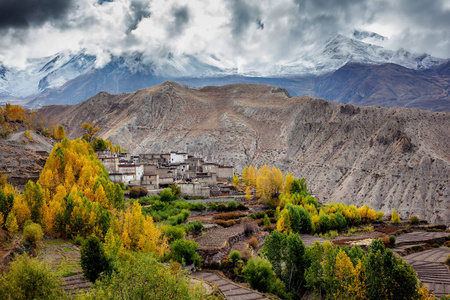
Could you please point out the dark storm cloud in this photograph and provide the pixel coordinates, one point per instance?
(103, 1)
(242, 16)
(181, 16)
(27, 13)
(260, 24)
(138, 10)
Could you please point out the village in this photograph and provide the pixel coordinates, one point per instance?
(156, 171)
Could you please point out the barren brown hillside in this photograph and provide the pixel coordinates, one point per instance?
(385, 157)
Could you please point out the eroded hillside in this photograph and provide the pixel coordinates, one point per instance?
(385, 157)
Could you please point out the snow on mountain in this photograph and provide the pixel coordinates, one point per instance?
(340, 50)
(44, 73)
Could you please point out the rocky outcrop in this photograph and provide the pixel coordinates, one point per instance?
(385, 157)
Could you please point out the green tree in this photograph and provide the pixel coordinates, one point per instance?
(185, 252)
(29, 278)
(295, 263)
(273, 250)
(142, 277)
(259, 274)
(93, 259)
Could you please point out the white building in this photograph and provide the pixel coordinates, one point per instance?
(178, 157)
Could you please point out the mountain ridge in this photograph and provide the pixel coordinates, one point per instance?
(385, 157)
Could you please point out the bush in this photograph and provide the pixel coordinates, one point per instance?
(79, 241)
(227, 216)
(212, 206)
(166, 195)
(266, 221)
(380, 215)
(32, 233)
(414, 220)
(185, 252)
(144, 278)
(253, 242)
(172, 233)
(232, 205)
(29, 278)
(94, 260)
(259, 274)
(193, 226)
(197, 206)
(241, 206)
(392, 240)
(225, 224)
(235, 256)
(222, 207)
(249, 227)
(138, 192)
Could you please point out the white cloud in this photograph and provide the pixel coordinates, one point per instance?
(244, 34)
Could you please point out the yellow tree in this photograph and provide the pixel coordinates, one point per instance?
(60, 133)
(244, 176)
(89, 131)
(235, 181)
(358, 287)
(344, 275)
(11, 223)
(288, 183)
(395, 219)
(248, 194)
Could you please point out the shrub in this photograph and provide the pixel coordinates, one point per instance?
(392, 240)
(166, 195)
(225, 224)
(94, 260)
(232, 205)
(137, 192)
(222, 207)
(395, 219)
(185, 252)
(197, 206)
(241, 206)
(29, 278)
(235, 256)
(79, 241)
(266, 221)
(259, 274)
(193, 226)
(144, 278)
(227, 216)
(212, 206)
(270, 213)
(260, 215)
(333, 233)
(172, 233)
(32, 233)
(253, 242)
(249, 227)
(414, 220)
(380, 215)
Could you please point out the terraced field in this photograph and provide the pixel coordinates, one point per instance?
(429, 266)
(231, 290)
(64, 257)
(420, 236)
(218, 238)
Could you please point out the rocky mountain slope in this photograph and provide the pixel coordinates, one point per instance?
(385, 157)
(22, 159)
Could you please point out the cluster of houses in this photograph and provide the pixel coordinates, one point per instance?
(155, 171)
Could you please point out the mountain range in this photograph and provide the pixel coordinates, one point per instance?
(385, 157)
(344, 69)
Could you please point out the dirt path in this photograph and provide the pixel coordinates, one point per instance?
(231, 290)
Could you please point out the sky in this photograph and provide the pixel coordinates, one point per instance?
(235, 32)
